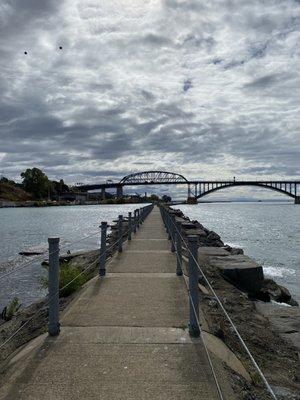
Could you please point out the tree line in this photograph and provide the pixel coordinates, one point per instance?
(38, 185)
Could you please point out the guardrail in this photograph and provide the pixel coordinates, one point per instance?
(106, 250)
(178, 243)
(140, 215)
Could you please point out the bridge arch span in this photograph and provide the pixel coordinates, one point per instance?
(153, 177)
(272, 186)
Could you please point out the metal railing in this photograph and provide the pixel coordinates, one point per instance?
(174, 230)
(40, 256)
(134, 223)
(53, 327)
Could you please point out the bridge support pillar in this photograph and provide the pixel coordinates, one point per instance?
(189, 191)
(103, 194)
(119, 192)
(297, 200)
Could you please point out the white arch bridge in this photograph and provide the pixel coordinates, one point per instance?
(196, 188)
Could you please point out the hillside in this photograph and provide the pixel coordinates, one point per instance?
(11, 192)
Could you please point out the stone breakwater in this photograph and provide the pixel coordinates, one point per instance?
(266, 315)
(271, 331)
(234, 265)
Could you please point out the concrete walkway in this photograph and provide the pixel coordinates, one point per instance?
(123, 337)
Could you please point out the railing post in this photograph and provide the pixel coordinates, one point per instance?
(53, 284)
(179, 271)
(168, 225)
(129, 226)
(102, 259)
(172, 222)
(134, 221)
(193, 286)
(163, 214)
(120, 234)
(138, 217)
(141, 215)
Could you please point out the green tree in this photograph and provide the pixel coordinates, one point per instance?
(35, 182)
(154, 197)
(6, 180)
(166, 199)
(59, 187)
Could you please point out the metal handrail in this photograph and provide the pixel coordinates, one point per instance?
(203, 341)
(225, 312)
(146, 211)
(37, 258)
(47, 303)
(43, 254)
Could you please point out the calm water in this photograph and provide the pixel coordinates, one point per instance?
(29, 228)
(268, 232)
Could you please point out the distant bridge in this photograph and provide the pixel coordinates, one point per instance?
(196, 188)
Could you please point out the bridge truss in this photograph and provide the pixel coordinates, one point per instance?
(203, 188)
(153, 177)
(196, 188)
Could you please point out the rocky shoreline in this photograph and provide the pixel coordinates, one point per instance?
(265, 314)
(271, 331)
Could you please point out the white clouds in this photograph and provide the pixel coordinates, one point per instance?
(204, 88)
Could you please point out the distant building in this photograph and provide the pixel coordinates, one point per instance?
(74, 197)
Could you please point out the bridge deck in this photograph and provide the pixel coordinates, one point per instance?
(123, 337)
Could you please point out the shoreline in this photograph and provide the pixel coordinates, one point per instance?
(45, 203)
(270, 330)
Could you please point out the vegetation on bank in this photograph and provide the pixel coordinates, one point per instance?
(70, 279)
(132, 200)
(9, 191)
(35, 186)
(38, 191)
(11, 309)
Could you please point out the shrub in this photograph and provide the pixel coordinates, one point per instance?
(108, 201)
(120, 201)
(67, 276)
(11, 309)
(68, 273)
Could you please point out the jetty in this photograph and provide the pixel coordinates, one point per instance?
(124, 336)
(172, 313)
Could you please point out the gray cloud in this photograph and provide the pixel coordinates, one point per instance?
(267, 81)
(187, 85)
(204, 89)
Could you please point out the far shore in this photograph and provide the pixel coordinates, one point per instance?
(44, 203)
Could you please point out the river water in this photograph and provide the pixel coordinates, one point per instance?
(29, 228)
(268, 232)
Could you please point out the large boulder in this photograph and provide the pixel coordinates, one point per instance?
(273, 291)
(196, 231)
(188, 225)
(213, 236)
(202, 227)
(234, 250)
(241, 271)
(211, 239)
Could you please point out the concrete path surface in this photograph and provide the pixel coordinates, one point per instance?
(123, 336)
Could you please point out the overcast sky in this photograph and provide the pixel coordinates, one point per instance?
(208, 89)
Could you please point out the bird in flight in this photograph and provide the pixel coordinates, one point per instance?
(25, 52)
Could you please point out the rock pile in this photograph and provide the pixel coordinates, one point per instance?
(238, 269)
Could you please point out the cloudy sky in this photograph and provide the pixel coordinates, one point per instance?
(209, 89)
